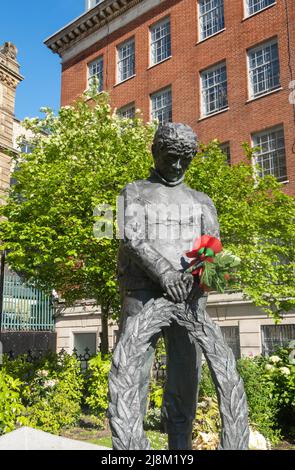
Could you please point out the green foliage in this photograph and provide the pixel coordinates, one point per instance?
(153, 419)
(80, 159)
(50, 392)
(280, 377)
(11, 407)
(96, 383)
(207, 387)
(207, 417)
(156, 394)
(54, 394)
(261, 396)
(262, 404)
(257, 224)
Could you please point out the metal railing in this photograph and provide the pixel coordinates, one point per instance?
(24, 308)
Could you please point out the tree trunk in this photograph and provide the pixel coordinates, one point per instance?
(104, 346)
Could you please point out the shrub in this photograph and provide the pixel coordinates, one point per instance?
(280, 377)
(153, 419)
(11, 407)
(54, 394)
(50, 390)
(207, 387)
(263, 405)
(96, 382)
(207, 425)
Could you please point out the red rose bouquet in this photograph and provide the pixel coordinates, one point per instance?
(211, 264)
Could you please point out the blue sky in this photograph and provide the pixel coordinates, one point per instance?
(27, 24)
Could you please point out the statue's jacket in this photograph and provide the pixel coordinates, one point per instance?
(158, 223)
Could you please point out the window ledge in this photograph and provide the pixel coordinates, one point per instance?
(257, 12)
(158, 63)
(126, 80)
(213, 114)
(284, 182)
(276, 90)
(212, 36)
(89, 98)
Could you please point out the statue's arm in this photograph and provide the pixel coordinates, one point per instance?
(210, 224)
(134, 236)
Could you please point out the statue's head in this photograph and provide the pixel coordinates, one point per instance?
(174, 147)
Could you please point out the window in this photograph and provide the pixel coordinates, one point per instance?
(271, 157)
(225, 147)
(231, 336)
(161, 103)
(214, 89)
(126, 60)
(26, 147)
(211, 17)
(275, 336)
(264, 68)
(84, 347)
(160, 41)
(95, 73)
(253, 6)
(127, 111)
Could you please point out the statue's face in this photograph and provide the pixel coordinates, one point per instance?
(171, 165)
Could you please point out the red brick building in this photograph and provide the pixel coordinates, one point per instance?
(222, 66)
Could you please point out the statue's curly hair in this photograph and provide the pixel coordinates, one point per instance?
(179, 138)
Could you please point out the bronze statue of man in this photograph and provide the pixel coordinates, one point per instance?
(162, 219)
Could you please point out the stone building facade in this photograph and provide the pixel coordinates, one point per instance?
(10, 77)
(225, 68)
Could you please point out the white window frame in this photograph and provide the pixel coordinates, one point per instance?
(204, 111)
(202, 37)
(129, 59)
(126, 109)
(247, 8)
(98, 60)
(281, 175)
(160, 109)
(153, 48)
(252, 94)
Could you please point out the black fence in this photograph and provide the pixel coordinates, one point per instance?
(159, 366)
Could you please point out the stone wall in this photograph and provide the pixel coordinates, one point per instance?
(227, 310)
(9, 79)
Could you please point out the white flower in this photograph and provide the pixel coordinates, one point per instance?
(274, 359)
(43, 373)
(269, 367)
(137, 111)
(285, 370)
(50, 383)
(257, 441)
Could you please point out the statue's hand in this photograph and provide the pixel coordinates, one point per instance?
(177, 285)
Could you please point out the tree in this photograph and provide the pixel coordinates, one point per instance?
(86, 156)
(257, 221)
(80, 159)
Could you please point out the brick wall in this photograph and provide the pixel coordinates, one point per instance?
(182, 70)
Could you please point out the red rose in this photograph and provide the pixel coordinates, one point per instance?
(202, 245)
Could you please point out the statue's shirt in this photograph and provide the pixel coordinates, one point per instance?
(158, 225)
